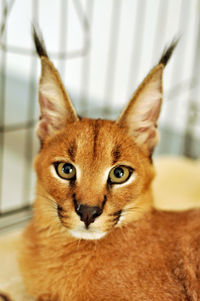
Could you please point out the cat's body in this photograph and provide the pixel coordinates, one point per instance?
(157, 258)
(95, 235)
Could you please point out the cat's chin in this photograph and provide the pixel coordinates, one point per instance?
(87, 234)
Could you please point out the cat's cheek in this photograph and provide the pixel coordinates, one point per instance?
(58, 188)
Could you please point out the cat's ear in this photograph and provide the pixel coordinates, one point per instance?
(56, 108)
(142, 112)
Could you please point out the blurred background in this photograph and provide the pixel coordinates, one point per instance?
(102, 49)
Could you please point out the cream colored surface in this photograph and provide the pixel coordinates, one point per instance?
(10, 279)
(177, 186)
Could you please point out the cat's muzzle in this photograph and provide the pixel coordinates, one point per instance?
(87, 214)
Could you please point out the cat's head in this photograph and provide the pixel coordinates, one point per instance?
(96, 175)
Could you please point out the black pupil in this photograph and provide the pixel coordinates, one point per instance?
(118, 172)
(67, 168)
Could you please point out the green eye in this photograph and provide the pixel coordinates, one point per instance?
(66, 171)
(119, 174)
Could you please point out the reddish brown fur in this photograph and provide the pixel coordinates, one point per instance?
(147, 254)
(154, 258)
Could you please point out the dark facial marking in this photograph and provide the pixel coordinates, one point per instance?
(96, 131)
(116, 220)
(151, 159)
(117, 217)
(104, 201)
(116, 154)
(72, 150)
(41, 141)
(72, 183)
(61, 212)
(59, 208)
(62, 216)
(74, 198)
(117, 213)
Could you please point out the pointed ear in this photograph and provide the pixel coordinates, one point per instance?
(141, 115)
(56, 108)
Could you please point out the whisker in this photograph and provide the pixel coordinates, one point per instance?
(95, 243)
(64, 223)
(117, 213)
(122, 214)
(131, 209)
(123, 233)
(50, 210)
(46, 198)
(78, 243)
(116, 220)
(56, 208)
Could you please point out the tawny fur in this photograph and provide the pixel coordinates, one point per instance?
(143, 254)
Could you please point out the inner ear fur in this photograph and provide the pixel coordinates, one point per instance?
(56, 108)
(142, 112)
(140, 116)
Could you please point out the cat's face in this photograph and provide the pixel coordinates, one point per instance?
(108, 173)
(95, 175)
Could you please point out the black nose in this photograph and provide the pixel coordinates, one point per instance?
(87, 214)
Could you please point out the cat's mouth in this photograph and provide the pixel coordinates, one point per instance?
(84, 230)
(87, 234)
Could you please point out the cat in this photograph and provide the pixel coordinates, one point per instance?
(95, 234)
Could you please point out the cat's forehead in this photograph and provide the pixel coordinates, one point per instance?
(93, 139)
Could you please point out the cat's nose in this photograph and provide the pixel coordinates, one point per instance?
(87, 214)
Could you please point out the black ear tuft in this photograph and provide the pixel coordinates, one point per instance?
(39, 43)
(168, 52)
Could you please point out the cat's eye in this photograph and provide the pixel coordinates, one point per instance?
(119, 174)
(66, 171)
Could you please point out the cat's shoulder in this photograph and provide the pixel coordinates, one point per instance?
(184, 218)
(182, 225)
